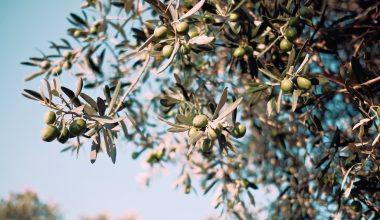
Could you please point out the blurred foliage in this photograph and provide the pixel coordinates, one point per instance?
(280, 93)
(27, 206)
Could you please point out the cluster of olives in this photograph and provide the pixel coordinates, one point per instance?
(182, 28)
(51, 132)
(57, 69)
(287, 84)
(200, 122)
(294, 27)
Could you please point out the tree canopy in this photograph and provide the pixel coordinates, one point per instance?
(27, 206)
(238, 94)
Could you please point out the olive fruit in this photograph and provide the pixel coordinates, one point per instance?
(192, 131)
(68, 54)
(306, 12)
(187, 189)
(167, 51)
(378, 111)
(239, 53)
(64, 135)
(67, 65)
(356, 206)
(286, 85)
(93, 29)
(294, 21)
(285, 45)
(326, 88)
(303, 83)
(206, 145)
(77, 127)
(234, 17)
(193, 33)
(239, 130)
(45, 64)
(78, 33)
(161, 32)
(200, 121)
(185, 49)
(49, 133)
(213, 133)
(135, 155)
(208, 19)
(291, 33)
(50, 117)
(248, 50)
(182, 27)
(56, 71)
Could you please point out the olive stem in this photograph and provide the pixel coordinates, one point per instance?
(135, 81)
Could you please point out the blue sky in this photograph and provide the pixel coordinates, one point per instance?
(26, 162)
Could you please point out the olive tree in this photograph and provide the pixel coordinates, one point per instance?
(238, 94)
(27, 206)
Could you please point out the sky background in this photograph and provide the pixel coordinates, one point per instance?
(77, 186)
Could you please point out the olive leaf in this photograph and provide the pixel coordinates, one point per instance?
(79, 87)
(229, 109)
(193, 10)
(169, 61)
(222, 101)
(48, 88)
(114, 97)
(89, 100)
(201, 40)
(296, 94)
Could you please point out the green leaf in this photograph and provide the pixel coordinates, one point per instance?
(193, 10)
(229, 109)
(195, 137)
(222, 101)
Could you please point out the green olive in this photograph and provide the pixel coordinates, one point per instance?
(77, 127)
(356, 206)
(193, 33)
(239, 53)
(78, 33)
(182, 27)
(192, 131)
(45, 64)
(49, 133)
(286, 85)
(208, 19)
(234, 17)
(303, 83)
(213, 133)
(67, 65)
(294, 21)
(206, 145)
(291, 33)
(185, 49)
(93, 29)
(161, 32)
(306, 12)
(64, 135)
(167, 51)
(239, 130)
(200, 121)
(248, 50)
(285, 45)
(56, 71)
(187, 189)
(50, 117)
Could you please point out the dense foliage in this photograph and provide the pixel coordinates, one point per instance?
(239, 94)
(27, 206)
